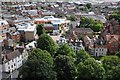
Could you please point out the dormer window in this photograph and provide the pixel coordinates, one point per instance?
(2, 23)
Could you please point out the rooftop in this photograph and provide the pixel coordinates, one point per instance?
(3, 22)
(48, 25)
(49, 18)
(48, 13)
(31, 12)
(11, 55)
(83, 30)
(26, 26)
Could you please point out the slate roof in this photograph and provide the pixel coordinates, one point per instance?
(20, 49)
(11, 55)
(82, 30)
(10, 30)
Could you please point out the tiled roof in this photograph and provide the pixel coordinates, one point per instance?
(110, 37)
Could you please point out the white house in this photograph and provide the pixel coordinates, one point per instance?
(24, 56)
(14, 59)
(97, 47)
(10, 61)
(3, 24)
(99, 51)
(77, 45)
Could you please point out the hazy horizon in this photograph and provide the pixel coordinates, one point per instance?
(62, 0)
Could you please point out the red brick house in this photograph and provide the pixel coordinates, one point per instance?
(112, 43)
(111, 34)
(112, 27)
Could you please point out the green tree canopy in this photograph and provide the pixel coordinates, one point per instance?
(42, 7)
(64, 67)
(81, 56)
(116, 16)
(45, 42)
(114, 73)
(95, 25)
(42, 55)
(88, 5)
(73, 18)
(38, 65)
(90, 70)
(40, 29)
(65, 49)
(111, 64)
(110, 61)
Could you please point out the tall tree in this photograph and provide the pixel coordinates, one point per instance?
(114, 73)
(110, 63)
(95, 25)
(65, 49)
(81, 56)
(116, 16)
(73, 18)
(88, 5)
(40, 29)
(45, 42)
(90, 70)
(64, 67)
(39, 65)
